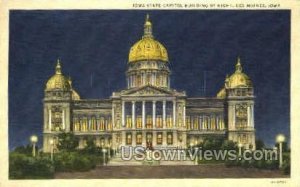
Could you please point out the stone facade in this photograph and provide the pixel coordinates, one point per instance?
(149, 110)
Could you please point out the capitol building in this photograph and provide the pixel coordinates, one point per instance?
(149, 109)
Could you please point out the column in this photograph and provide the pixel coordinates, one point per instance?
(144, 139)
(154, 114)
(106, 141)
(144, 78)
(233, 114)
(123, 113)
(63, 119)
(133, 138)
(143, 114)
(154, 138)
(248, 116)
(164, 114)
(89, 123)
(133, 114)
(183, 115)
(112, 116)
(174, 114)
(164, 143)
(175, 139)
(123, 139)
(252, 116)
(152, 79)
(50, 120)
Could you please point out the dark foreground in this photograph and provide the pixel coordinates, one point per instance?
(200, 171)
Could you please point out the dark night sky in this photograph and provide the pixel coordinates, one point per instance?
(96, 43)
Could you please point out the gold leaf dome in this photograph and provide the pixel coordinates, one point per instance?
(222, 93)
(148, 48)
(58, 80)
(238, 78)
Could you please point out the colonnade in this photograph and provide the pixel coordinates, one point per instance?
(153, 114)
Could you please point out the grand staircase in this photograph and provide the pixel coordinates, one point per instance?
(118, 161)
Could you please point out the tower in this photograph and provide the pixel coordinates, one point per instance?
(239, 96)
(57, 106)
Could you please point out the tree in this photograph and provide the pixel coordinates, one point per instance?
(90, 146)
(67, 141)
(27, 150)
(228, 145)
(259, 144)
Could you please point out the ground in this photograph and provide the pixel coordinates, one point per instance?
(199, 171)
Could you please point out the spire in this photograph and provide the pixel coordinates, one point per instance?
(238, 66)
(70, 80)
(147, 27)
(58, 67)
(227, 81)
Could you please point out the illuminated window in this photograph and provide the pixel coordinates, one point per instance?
(159, 123)
(84, 125)
(94, 124)
(188, 122)
(149, 137)
(196, 123)
(170, 139)
(169, 121)
(139, 138)
(109, 126)
(139, 122)
(159, 138)
(76, 123)
(128, 121)
(102, 124)
(149, 121)
(128, 139)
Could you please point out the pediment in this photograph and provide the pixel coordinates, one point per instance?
(147, 91)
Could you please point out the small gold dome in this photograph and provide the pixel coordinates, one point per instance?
(148, 48)
(238, 78)
(221, 94)
(75, 95)
(58, 81)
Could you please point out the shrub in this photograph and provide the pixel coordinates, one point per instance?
(22, 166)
(73, 161)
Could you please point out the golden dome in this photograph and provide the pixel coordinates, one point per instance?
(222, 93)
(148, 48)
(75, 95)
(58, 81)
(238, 78)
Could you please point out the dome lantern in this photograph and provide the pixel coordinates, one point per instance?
(148, 28)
